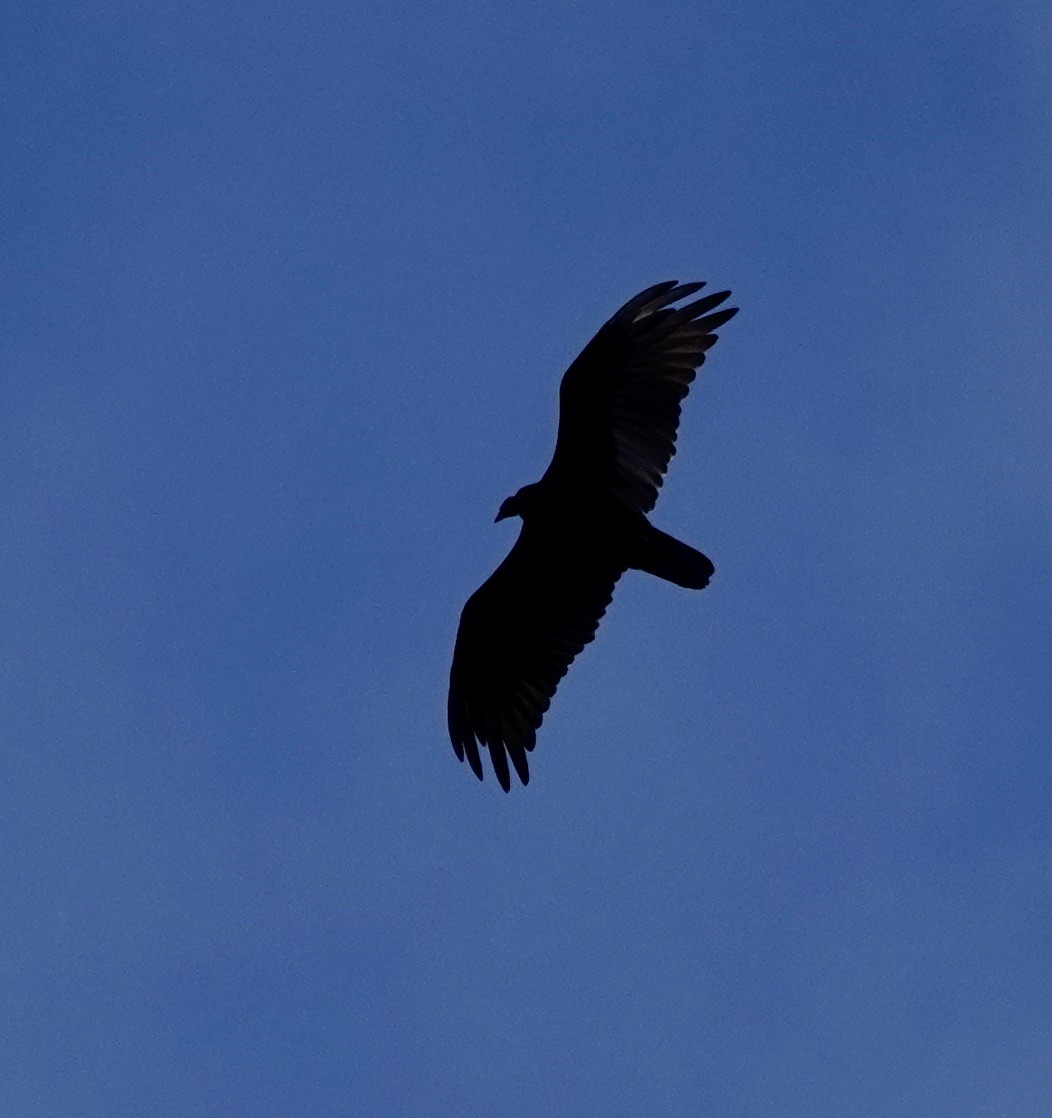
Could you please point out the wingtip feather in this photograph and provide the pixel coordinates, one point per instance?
(715, 321)
(692, 311)
(474, 760)
(518, 759)
(647, 295)
(500, 764)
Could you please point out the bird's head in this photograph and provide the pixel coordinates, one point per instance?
(517, 504)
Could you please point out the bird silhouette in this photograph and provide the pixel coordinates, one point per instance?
(583, 524)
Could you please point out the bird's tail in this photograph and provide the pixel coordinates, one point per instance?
(668, 558)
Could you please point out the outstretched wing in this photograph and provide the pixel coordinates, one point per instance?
(619, 403)
(518, 635)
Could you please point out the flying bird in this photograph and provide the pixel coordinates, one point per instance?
(583, 524)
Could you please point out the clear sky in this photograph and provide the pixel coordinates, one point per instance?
(288, 291)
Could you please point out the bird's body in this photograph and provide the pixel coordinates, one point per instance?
(584, 525)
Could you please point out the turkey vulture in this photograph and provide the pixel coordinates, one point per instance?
(583, 524)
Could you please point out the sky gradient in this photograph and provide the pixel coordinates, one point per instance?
(287, 298)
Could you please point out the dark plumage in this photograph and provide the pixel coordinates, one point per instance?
(584, 524)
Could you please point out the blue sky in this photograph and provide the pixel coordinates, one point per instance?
(288, 293)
